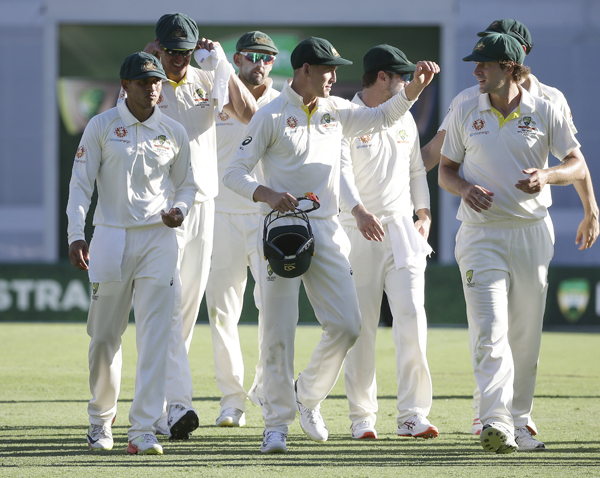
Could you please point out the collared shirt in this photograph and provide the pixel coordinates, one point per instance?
(230, 134)
(191, 103)
(493, 156)
(384, 172)
(536, 88)
(134, 165)
(300, 150)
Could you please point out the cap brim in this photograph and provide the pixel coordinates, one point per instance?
(273, 51)
(336, 62)
(178, 45)
(486, 33)
(479, 58)
(148, 74)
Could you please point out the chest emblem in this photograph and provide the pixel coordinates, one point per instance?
(80, 151)
(223, 116)
(120, 132)
(365, 139)
(326, 119)
(200, 95)
(478, 124)
(402, 136)
(162, 142)
(292, 122)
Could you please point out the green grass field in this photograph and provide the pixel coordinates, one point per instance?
(44, 392)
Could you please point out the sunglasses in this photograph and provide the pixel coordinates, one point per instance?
(183, 53)
(256, 57)
(405, 77)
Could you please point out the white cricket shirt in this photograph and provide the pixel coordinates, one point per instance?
(536, 88)
(133, 165)
(384, 172)
(494, 156)
(300, 151)
(230, 134)
(191, 103)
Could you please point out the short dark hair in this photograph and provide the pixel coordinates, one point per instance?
(520, 72)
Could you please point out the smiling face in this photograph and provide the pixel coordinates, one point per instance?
(320, 80)
(176, 66)
(491, 77)
(253, 73)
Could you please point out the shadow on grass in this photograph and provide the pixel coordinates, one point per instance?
(240, 450)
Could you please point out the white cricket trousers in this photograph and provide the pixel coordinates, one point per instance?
(375, 272)
(233, 252)
(148, 269)
(194, 240)
(331, 292)
(504, 271)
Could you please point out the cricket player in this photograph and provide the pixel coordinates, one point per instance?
(297, 138)
(502, 138)
(189, 96)
(236, 226)
(589, 228)
(383, 183)
(134, 154)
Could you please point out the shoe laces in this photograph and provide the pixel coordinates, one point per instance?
(312, 414)
(101, 430)
(231, 412)
(149, 438)
(363, 424)
(271, 437)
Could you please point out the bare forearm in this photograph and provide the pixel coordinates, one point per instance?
(431, 152)
(572, 169)
(585, 190)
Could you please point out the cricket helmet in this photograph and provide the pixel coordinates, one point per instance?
(289, 248)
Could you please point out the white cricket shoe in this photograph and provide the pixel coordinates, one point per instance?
(476, 427)
(526, 442)
(419, 427)
(182, 422)
(99, 437)
(231, 417)
(364, 429)
(311, 420)
(145, 444)
(273, 442)
(497, 437)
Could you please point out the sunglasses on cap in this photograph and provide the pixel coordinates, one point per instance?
(183, 53)
(256, 57)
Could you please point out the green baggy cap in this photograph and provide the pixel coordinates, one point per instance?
(176, 31)
(256, 41)
(316, 51)
(496, 47)
(141, 65)
(387, 58)
(513, 28)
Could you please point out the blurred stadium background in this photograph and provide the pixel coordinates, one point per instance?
(60, 64)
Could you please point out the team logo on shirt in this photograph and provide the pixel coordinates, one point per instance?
(79, 154)
(326, 119)
(121, 94)
(200, 97)
(526, 125)
(247, 140)
(469, 276)
(365, 139)
(120, 132)
(402, 136)
(478, 124)
(162, 142)
(160, 100)
(223, 116)
(95, 286)
(292, 122)
(270, 276)
(328, 123)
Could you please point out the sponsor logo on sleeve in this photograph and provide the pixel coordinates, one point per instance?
(80, 154)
